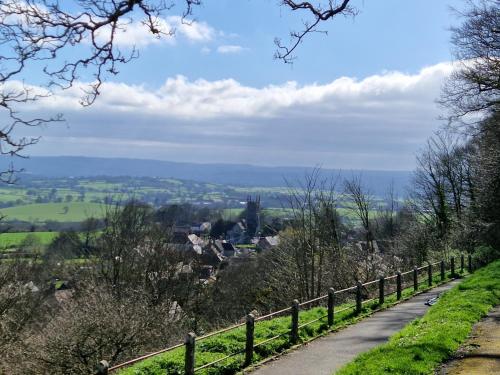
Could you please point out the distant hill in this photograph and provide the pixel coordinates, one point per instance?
(225, 174)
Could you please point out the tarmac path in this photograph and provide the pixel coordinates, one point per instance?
(327, 354)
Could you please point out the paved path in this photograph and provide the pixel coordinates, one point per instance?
(327, 354)
(480, 355)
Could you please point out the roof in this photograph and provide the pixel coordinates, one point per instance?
(273, 240)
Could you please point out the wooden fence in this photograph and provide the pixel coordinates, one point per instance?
(383, 289)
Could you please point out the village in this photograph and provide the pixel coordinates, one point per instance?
(241, 241)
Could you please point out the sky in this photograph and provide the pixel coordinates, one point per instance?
(362, 96)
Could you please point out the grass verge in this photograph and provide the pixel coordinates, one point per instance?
(425, 343)
(219, 346)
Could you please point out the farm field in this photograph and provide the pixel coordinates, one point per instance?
(61, 212)
(12, 240)
(68, 200)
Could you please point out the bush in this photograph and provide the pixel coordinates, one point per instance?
(485, 254)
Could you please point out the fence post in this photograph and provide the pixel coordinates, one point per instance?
(294, 333)
(462, 263)
(398, 285)
(415, 278)
(102, 368)
(381, 291)
(442, 270)
(331, 306)
(249, 341)
(429, 274)
(189, 356)
(452, 267)
(469, 260)
(359, 298)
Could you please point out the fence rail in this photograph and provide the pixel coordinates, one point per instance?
(384, 286)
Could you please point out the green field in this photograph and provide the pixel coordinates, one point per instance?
(12, 240)
(61, 212)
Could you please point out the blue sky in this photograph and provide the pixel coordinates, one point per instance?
(361, 97)
(386, 35)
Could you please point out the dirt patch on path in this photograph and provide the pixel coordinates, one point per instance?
(480, 355)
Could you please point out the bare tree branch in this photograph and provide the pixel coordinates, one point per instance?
(323, 11)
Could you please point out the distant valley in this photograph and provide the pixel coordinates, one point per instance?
(224, 174)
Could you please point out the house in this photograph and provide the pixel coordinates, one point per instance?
(268, 242)
(226, 248)
(188, 242)
(212, 255)
(196, 243)
(203, 228)
(238, 233)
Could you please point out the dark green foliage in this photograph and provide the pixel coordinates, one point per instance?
(220, 227)
(66, 245)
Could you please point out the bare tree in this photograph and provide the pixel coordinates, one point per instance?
(386, 218)
(474, 87)
(444, 186)
(36, 33)
(314, 239)
(362, 204)
(22, 293)
(94, 325)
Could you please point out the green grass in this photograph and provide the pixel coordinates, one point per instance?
(218, 346)
(12, 240)
(77, 211)
(425, 343)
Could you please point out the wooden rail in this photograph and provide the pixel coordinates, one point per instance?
(103, 367)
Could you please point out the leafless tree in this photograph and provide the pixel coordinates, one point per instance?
(22, 296)
(474, 87)
(362, 205)
(134, 294)
(64, 40)
(472, 96)
(94, 325)
(445, 186)
(386, 217)
(313, 242)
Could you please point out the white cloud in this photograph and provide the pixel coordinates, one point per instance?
(376, 122)
(194, 31)
(172, 29)
(230, 48)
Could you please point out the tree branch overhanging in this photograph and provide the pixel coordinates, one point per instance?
(323, 11)
(70, 42)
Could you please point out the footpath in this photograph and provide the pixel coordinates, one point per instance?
(480, 355)
(326, 355)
